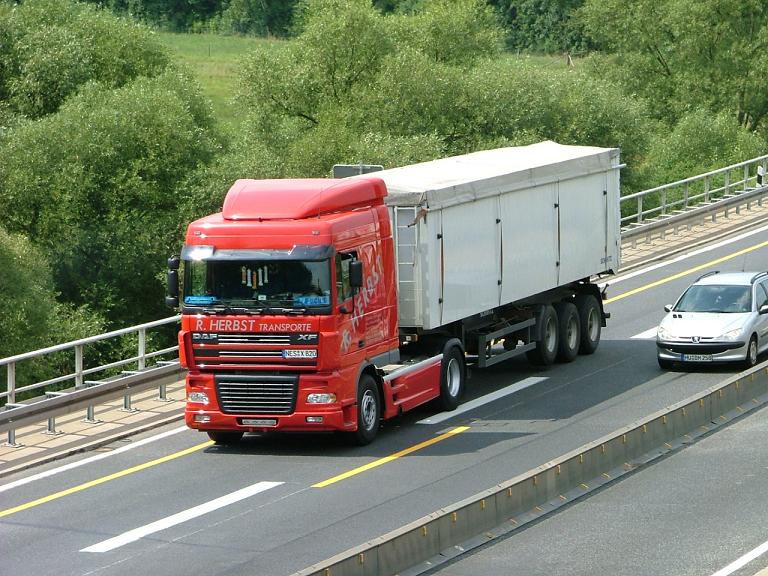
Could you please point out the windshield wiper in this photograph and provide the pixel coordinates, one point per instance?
(277, 310)
(219, 310)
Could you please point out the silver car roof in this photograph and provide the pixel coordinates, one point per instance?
(729, 278)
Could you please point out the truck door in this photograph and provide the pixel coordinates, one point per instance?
(583, 226)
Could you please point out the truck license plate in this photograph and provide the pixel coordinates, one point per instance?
(299, 353)
(259, 422)
(697, 357)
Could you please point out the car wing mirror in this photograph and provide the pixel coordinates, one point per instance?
(763, 309)
(668, 308)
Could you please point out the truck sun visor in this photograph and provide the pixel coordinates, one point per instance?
(298, 252)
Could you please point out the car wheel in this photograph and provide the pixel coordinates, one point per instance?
(751, 358)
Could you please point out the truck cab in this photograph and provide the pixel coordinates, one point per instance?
(286, 300)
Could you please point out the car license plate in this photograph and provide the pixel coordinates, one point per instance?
(697, 357)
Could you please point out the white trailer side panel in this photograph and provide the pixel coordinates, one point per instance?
(494, 227)
(529, 241)
(470, 259)
(583, 225)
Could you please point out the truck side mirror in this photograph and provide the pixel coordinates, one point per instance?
(172, 297)
(356, 274)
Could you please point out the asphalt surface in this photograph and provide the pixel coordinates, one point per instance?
(167, 494)
(693, 513)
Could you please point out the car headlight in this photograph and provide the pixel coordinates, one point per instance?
(731, 334)
(664, 334)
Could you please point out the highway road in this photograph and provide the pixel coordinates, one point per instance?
(169, 502)
(698, 512)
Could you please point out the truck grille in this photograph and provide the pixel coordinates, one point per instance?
(257, 394)
(228, 351)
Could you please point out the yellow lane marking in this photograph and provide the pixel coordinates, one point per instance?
(103, 479)
(395, 456)
(686, 272)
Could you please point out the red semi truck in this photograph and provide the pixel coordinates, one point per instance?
(333, 304)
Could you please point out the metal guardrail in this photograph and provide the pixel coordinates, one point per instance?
(663, 207)
(85, 392)
(694, 194)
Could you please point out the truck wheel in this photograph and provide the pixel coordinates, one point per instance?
(225, 437)
(368, 411)
(546, 347)
(591, 323)
(452, 377)
(569, 331)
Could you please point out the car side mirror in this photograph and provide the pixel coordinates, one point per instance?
(763, 309)
(668, 308)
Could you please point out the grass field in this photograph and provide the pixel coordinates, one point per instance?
(215, 60)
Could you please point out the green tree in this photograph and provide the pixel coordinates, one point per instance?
(542, 25)
(700, 142)
(684, 54)
(31, 316)
(50, 48)
(97, 185)
(259, 17)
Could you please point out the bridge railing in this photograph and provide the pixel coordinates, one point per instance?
(693, 193)
(82, 379)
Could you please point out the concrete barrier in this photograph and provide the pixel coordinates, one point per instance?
(455, 529)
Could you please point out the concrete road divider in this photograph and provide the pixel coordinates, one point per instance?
(448, 532)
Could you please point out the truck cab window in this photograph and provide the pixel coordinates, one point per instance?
(343, 289)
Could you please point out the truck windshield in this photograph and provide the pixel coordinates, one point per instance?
(258, 286)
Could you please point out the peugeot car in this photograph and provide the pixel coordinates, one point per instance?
(719, 318)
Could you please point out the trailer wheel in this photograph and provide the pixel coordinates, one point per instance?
(368, 411)
(225, 437)
(452, 376)
(569, 331)
(591, 323)
(546, 347)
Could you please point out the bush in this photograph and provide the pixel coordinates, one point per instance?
(51, 48)
(97, 186)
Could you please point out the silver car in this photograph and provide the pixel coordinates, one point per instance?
(719, 318)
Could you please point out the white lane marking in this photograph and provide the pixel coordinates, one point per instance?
(685, 256)
(472, 404)
(647, 335)
(184, 516)
(90, 460)
(743, 561)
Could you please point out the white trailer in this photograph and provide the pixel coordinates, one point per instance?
(501, 245)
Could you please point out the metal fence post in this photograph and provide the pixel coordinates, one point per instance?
(11, 379)
(79, 366)
(142, 348)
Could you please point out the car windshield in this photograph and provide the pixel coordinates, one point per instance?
(716, 298)
(258, 286)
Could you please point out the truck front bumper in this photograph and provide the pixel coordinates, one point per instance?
(331, 419)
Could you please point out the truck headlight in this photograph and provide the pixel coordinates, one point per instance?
(198, 398)
(324, 398)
